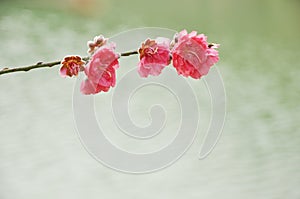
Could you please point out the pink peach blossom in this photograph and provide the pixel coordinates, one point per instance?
(71, 65)
(192, 55)
(100, 71)
(154, 56)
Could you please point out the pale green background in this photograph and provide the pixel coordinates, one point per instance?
(258, 153)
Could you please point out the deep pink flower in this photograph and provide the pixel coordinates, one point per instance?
(192, 55)
(154, 56)
(100, 71)
(71, 65)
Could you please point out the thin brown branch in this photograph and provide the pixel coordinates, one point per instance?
(129, 53)
(49, 64)
(27, 68)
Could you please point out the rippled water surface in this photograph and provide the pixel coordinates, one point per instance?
(257, 155)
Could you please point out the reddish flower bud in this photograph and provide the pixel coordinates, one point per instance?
(71, 65)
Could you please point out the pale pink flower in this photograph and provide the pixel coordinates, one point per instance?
(71, 65)
(96, 43)
(192, 55)
(100, 70)
(154, 56)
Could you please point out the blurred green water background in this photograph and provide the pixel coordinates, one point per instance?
(258, 153)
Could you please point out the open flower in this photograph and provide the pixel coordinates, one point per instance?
(154, 56)
(71, 65)
(192, 56)
(100, 70)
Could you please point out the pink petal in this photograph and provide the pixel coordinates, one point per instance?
(87, 87)
(63, 71)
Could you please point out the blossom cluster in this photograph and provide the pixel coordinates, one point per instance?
(190, 53)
